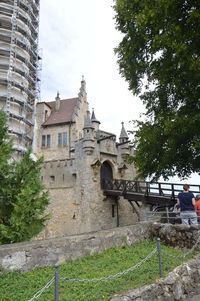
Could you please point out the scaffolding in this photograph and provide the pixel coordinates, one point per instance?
(20, 60)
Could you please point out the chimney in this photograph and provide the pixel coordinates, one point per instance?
(57, 102)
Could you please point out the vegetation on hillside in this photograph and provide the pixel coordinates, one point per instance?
(22, 196)
(159, 56)
(23, 286)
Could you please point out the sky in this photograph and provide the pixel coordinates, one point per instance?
(78, 37)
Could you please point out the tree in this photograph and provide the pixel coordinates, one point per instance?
(159, 56)
(22, 196)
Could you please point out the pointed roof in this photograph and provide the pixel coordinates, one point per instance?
(93, 117)
(123, 134)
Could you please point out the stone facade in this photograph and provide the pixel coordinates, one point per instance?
(73, 173)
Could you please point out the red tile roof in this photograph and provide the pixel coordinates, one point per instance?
(64, 115)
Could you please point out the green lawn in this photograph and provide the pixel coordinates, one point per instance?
(23, 286)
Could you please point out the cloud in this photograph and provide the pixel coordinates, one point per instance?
(78, 38)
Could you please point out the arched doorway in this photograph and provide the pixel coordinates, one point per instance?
(106, 173)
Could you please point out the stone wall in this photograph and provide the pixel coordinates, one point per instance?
(183, 280)
(26, 256)
(181, 236)
(178, 284)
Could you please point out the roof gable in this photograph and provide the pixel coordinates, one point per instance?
(64, 114)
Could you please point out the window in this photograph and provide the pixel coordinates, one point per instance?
(62, 139)
(52, 179)
(59, 139)
(43, 140)
(45, 115)
(46, 141)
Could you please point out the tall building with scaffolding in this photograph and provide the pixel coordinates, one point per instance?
(19, 64)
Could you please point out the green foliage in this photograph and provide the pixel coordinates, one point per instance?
(5, 148)
(159, 56)
(22, 196)
(22, 287)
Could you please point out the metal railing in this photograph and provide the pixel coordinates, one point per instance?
(56, 279)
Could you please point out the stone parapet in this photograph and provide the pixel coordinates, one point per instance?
(26, 256)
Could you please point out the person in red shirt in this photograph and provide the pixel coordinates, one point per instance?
(197, 206)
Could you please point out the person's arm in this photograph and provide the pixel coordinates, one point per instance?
(178, 201)
(193, 202)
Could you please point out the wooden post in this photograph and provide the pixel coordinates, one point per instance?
(117, 203)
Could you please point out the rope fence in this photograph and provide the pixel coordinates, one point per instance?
(56, 279)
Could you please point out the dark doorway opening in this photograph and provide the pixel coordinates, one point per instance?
(106, 174)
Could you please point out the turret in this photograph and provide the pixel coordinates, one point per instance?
(94, 121)
(123, 135)
(88, 135)
(123, 140)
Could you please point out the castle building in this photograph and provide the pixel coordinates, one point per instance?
(19, 60)
(78, 157)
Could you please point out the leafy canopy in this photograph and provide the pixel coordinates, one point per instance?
(22, 196)
(159, 56)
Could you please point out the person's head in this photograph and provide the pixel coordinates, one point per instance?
(197, 197)
(186, 187)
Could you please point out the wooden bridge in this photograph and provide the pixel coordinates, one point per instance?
(151, 193)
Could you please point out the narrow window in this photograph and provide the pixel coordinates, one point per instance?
(48, 141)
(46, 115)
(52, 179)
(64, 139)
(43, 140)
(59, 139)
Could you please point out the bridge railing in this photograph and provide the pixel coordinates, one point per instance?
(147, 188)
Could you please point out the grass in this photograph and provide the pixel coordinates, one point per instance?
(23, 286)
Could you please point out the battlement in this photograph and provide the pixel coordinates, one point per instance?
(58, 173)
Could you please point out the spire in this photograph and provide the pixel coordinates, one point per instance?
(95, 122)
(57, 101)
(82, 94)
(83, 84)
(123, 135)
(93, 117)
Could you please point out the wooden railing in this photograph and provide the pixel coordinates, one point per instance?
(170, 190)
